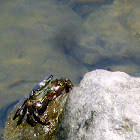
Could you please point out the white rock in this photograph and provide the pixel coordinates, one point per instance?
(106, 106)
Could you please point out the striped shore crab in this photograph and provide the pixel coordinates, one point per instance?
(39, 98)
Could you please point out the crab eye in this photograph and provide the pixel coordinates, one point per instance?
(35, 92)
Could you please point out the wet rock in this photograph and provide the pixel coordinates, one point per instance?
(105, 106)
(39, 131)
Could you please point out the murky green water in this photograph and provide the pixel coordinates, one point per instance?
(65, 38)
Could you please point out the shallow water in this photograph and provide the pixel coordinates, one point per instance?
(65, 38)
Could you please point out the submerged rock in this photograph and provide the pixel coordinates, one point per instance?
(106, 106)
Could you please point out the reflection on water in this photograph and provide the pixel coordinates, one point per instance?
(65, 38)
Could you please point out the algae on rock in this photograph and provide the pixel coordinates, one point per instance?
(43, 132)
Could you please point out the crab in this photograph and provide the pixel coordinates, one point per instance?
(44, 92)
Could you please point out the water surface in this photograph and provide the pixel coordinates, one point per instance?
(66, 38)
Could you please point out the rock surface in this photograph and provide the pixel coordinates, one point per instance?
(106, 106)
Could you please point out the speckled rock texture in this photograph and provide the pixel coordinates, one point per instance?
(105, 106)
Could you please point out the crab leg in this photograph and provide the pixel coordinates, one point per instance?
(37, 118)
(31, 120)
(21, 111)
(21, 116)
